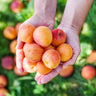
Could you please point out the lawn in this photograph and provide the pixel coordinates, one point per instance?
(74, 85)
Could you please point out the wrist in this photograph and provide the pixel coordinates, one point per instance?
(69, 29)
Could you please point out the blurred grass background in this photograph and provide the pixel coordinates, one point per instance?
(59, 86)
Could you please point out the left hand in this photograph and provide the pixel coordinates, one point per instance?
(73, 41)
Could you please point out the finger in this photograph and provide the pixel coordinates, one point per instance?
(19, 59)
(37, 76)
(51, 75)
(72, 60)
(39, 80)
(20, 44)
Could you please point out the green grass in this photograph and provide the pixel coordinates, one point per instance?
(59, 86)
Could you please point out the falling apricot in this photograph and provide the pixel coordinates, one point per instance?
(51, 58)
(49, 47)
(33, 52)
(26, 33)
(16, 6)
(8, 62)
(42, 69)
(66, 72)
(16, 71)
(10, 32)
(65, 51)
(43, 36)
(88, 72)
(92, 57)
(13, 46)
(3, 81)
(3, 92)
(59, 37)
(29, 66)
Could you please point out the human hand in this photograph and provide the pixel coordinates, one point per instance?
(35, 20)
(73, 41)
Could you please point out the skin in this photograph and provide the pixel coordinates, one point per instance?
(72, 21)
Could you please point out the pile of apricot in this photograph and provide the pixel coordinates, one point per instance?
(43, 49)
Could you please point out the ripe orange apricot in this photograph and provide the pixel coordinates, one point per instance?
(10, 32)
(16, 6)
(3, 81)
(43, 36)
(13, 46)
(29, 66)
(88, 72)
(66, 72)
(65, 51)
(33, 52)
(15, 58)
(16, 71)
(3, 92)
(49, 47)
(59, 37)
(42, 69)
(92, 57)
(17, 27)
(8, 62)
(51, 58)
(26, 33)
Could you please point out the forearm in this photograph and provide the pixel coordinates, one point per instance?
(75, 13)
(45, 8)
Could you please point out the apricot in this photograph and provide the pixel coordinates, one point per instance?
(13, 46)
(33, 52)
(43, 36)
(16, 71)
(59, 37)
(42, 69)
(65, 51)
(66, 72)
(17, 27)
(16, 6)
(92, 57)
(29, 66)
(51, 58)
(26, 33)
(3, 81)
(10, 32)
(49, 47)
(8, 62)
(88, 72)
(3, 92)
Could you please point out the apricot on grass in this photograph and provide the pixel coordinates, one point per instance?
(43, 36)
(26, 33)
(29, 66)
(51, 58)
(8, 62)
(13, 46)
(10, 32)
(16, 6)
(49, 47)
(3, 92)
(16, 71)
(42, 69)
(65, 51)
(17, 27)
(3, 81)
(59, 37)
(66, 72)
(88, 72)
(33, 52)
(92, 57)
